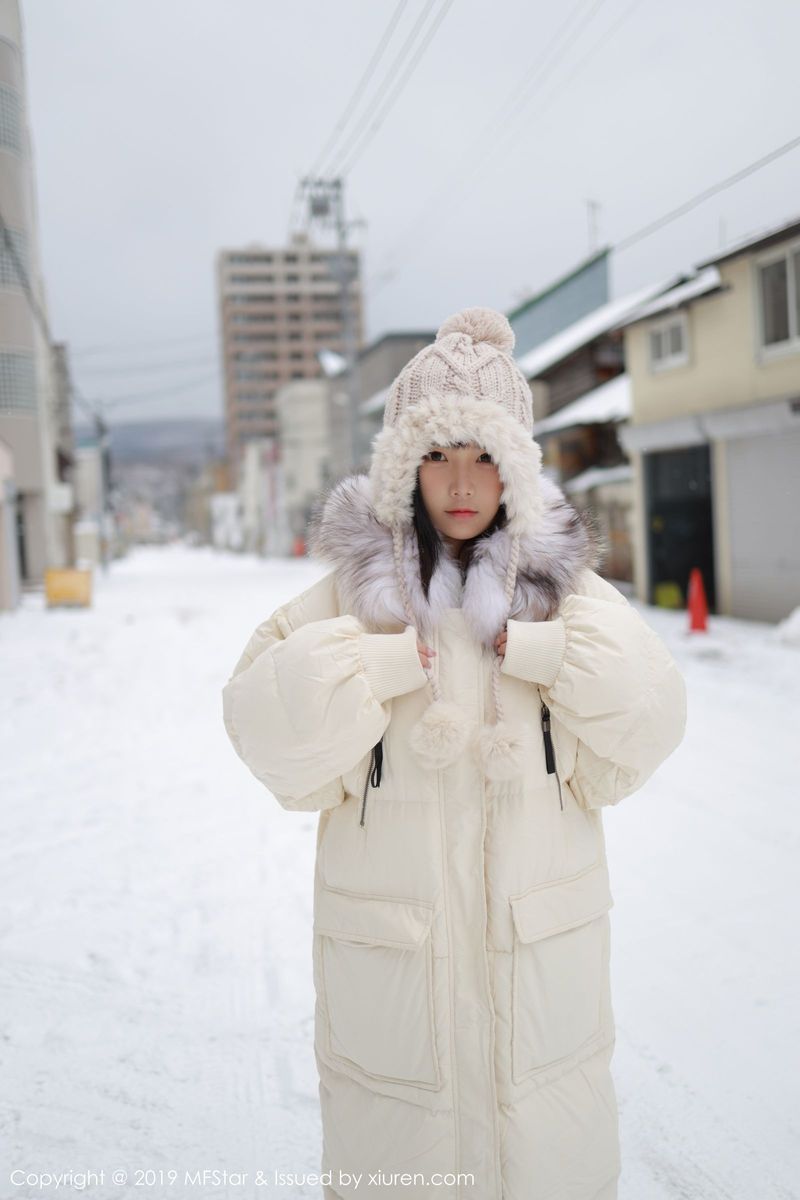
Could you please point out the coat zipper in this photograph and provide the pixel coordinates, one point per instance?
(374, 772)
(549, 752)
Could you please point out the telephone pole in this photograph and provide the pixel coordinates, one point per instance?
(323, 201)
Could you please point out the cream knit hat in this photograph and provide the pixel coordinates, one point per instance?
(465, 387)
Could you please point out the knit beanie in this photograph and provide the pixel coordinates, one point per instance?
(465, 387)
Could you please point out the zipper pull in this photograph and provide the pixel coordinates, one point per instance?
(374, 772)
(549, 752)
(377, 758)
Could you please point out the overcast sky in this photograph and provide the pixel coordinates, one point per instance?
(165, 129)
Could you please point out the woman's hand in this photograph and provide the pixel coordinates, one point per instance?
(500, 643)
(425, 653)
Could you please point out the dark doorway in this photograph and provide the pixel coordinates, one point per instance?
(19, 522)
(679, 519)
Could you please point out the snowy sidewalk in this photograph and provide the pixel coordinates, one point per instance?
(155, 938)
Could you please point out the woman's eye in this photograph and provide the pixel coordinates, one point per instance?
(486, 456)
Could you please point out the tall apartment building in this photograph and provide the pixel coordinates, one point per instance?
(278, 308)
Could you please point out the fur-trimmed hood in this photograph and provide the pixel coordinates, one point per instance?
(345, 532)
(465, 389)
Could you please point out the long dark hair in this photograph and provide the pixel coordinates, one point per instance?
(429, 540)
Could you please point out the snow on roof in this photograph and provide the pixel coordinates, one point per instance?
(609, 402)
(705, 281)
(587, 329)
(595, 476)
(753, 239)
(332, 364)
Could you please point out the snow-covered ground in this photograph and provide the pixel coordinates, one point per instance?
(156, 1000)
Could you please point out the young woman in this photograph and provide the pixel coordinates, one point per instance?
(459, 697)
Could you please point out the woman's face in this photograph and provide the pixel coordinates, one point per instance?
(453, 478)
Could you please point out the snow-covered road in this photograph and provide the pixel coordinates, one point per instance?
(156, 1001)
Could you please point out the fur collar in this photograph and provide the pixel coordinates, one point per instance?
(345, 532)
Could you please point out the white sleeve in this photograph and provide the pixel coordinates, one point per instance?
(608, 676)
(304, 705)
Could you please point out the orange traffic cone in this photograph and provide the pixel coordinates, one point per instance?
(697, 606)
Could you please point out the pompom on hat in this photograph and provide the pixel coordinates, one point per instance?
(465, 387)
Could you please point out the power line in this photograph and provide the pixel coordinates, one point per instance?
(160, 393)
(646, 230)
(672, 214)
(395, 95)
(511, 133)
(91, 407)
(150, 368)
(40, 316)
(360, 86)
(112, 347)
(396, 65)
(347, 167)
(522, 89)
(538, 72)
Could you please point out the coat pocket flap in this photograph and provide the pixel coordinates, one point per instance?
(562, 904)
(355, 916)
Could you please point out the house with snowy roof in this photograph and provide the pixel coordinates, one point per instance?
(573, 359)
(714, 432)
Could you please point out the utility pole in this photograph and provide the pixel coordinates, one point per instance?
(324, 202)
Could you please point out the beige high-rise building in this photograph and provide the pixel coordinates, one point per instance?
(278, 308)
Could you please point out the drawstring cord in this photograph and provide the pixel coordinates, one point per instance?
(508, 592)
(374, 772)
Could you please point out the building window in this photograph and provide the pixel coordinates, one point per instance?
(778, 294)
(10, 123)
(244, 259)
(254, 355)
(669, 343)
(252, 298)
(17, 382)
(254, 278)
(9, 275)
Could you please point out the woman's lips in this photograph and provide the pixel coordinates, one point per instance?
(463, 513)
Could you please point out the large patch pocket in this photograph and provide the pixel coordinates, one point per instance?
(376, 981)
(559, 969)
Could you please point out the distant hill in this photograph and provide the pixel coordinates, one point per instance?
(181, 442)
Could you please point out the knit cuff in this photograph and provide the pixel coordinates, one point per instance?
(535, 650)
(391, 663)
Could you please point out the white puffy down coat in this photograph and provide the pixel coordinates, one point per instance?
(464, 1027)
